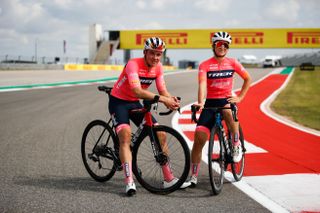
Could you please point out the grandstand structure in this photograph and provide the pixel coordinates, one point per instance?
(101, 48)
(298, 59)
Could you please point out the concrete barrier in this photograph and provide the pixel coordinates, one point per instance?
(18, 66)
(88, 67)
(69, 67)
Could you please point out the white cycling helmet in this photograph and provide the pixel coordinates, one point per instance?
(221, 36)
(155, 43)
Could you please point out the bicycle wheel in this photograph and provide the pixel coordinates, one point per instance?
(216, 160)
(238, 168)
(98, 149)
(148, 168)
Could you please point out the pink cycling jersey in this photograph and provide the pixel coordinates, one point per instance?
(219, 76)
(137, 74)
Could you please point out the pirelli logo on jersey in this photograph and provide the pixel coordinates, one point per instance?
(303, 38)
(175, 39)
(220, 74)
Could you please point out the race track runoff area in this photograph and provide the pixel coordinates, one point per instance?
(282, 161)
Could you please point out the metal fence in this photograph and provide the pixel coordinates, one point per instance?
(298, 59)
(41, 60)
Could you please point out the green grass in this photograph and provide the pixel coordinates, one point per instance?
(300, 100)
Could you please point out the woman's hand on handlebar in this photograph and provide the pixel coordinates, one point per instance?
(199, 106)
(170, 102)
(194, 108)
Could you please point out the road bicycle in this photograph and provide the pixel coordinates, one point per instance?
(220, 148)
(153, 146)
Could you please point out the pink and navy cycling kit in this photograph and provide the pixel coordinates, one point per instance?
(123, 100)
(219, 79)
(137, 74)
(219, 76)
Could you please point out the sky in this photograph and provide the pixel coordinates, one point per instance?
(39, 27)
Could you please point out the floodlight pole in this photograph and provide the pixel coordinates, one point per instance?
(36, 50)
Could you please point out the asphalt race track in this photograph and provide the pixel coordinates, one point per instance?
(41, 166)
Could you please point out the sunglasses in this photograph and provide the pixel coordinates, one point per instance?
(222, 43)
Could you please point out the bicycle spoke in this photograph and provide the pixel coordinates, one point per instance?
(175, 154)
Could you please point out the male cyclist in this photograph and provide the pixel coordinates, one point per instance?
(215, 79)
(132, 85)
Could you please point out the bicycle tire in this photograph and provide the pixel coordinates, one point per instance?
(148, 171)
(99, 164)
(238, 168)
(216, 160)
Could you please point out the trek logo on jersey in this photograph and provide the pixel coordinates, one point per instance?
(245, 38)
(180, 38)
(146, 81)
(219, 74)
(303, 37)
